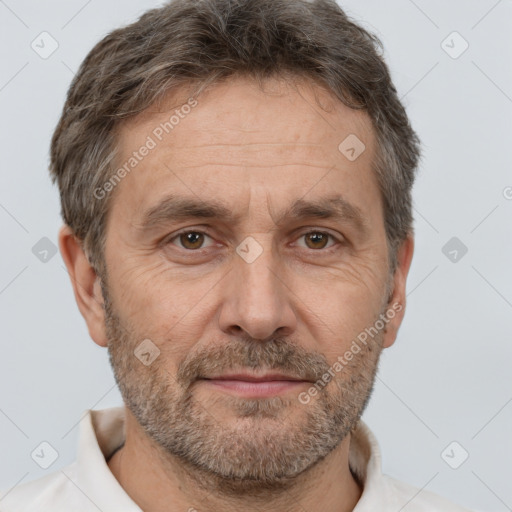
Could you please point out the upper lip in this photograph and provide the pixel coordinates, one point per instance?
(255, 378)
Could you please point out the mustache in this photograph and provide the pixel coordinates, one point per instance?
(241, 354)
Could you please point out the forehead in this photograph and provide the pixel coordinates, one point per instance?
(236, 137)
(245, 113)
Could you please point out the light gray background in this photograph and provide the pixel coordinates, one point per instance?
(448, 376)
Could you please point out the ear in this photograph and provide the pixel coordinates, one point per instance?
(396, 305)
(86, 284)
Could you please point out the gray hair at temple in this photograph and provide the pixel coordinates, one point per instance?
(198, 43)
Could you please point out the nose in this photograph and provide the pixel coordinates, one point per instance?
(256, 298)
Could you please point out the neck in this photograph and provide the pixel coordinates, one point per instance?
(159, 483)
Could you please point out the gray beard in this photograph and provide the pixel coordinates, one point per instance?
(274, 440)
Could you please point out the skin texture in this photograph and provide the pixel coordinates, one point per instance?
(293, 310)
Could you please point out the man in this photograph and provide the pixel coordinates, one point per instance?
(235, 178)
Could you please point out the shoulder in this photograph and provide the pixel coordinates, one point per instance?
(413, 499)
(54, 492)
(383, 492)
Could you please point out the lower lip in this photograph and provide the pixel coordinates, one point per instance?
(256, 389)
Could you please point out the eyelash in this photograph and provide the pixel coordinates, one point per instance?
(311, 231)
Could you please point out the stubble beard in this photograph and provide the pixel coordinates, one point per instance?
(235, 446)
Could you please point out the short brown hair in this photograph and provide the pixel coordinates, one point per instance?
(203, 42)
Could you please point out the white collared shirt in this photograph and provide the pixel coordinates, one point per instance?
(87, 485)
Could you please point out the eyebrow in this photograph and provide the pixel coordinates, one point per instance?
(177, 208)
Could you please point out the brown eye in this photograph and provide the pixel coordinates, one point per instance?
(316, 239)
(191, 240)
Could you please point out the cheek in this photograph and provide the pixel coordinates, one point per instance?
(335, 314)
(159, 305)
(354, 288)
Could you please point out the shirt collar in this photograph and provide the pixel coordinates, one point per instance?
(103, 431)
(365, 462)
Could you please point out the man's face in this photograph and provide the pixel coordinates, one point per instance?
(257, 288)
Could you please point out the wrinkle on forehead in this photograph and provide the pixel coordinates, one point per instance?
(229, 123)
(240, 143)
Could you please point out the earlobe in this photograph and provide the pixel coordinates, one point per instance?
(86, 284)
(397, 302)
